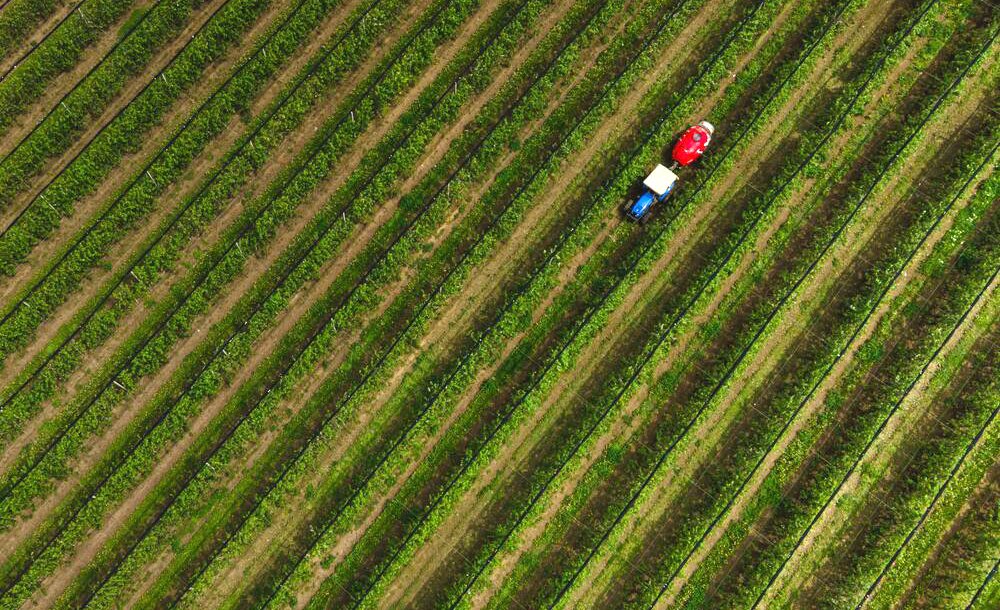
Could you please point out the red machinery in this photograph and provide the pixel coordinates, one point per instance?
(693, 143)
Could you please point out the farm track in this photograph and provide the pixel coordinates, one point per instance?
(440, 334)
(108, 382)
(585, 519)
(64, 83)
(404, 579)
(944, 417)
(381, 339)
(200, 243)
(703, 487)
(14, 56)
(454, 415)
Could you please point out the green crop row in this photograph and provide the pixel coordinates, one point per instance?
(666, 437)
(99, 319)
(59, 52)
(965, 555)
(778, 406)
(952, 553)
(622, 184)
(58, 280)
(918, 469)
(361, 455)
(209, 380)
(880, 398)
(19, 17)
(493, 146)
(123, 135)
(734, 244)
(904, 568)
(303, 275)
(786, 406)
(799, 450)
(86, 101)
(578, 509)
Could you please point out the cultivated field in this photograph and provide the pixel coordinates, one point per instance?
(332, 304)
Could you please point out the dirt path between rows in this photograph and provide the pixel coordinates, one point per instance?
(34, 38)
(80, 378)
(825, 528)
(95, 126)
(53, 246)
(603, 344)
(288, 320)
(626, 425)
(63, 83)
(435, 337)
(446, 537)
(185, 347)
(809, 299)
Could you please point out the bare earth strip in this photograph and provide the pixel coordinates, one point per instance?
(64, 82)
(201, 421)
(78, 380)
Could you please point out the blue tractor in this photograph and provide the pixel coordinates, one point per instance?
(659, 183)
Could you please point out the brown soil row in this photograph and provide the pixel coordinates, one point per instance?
(287, 320)
(79, 379)
(924, 415)
(945, 124)
(900, 425)
(627, 425)
(444, 332)
(92, 204)
(778, 356)
(442, 542)
(151, 386)
(61, 85)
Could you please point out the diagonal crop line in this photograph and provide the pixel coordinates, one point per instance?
(6, 488)
(59, 104)
(958, 464)
(885, 422)
(937, 104)
(634, 498)
(314, 334)
(857, 331)
(386, 352)
(30, 50)
(83, 79)
(553, 254)
(563, 237)
(390, 450)
(986, 581)
(143, 172)
(159, 419)
(923, 517)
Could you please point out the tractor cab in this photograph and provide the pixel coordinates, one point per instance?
(693, 143)
(658, 186)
